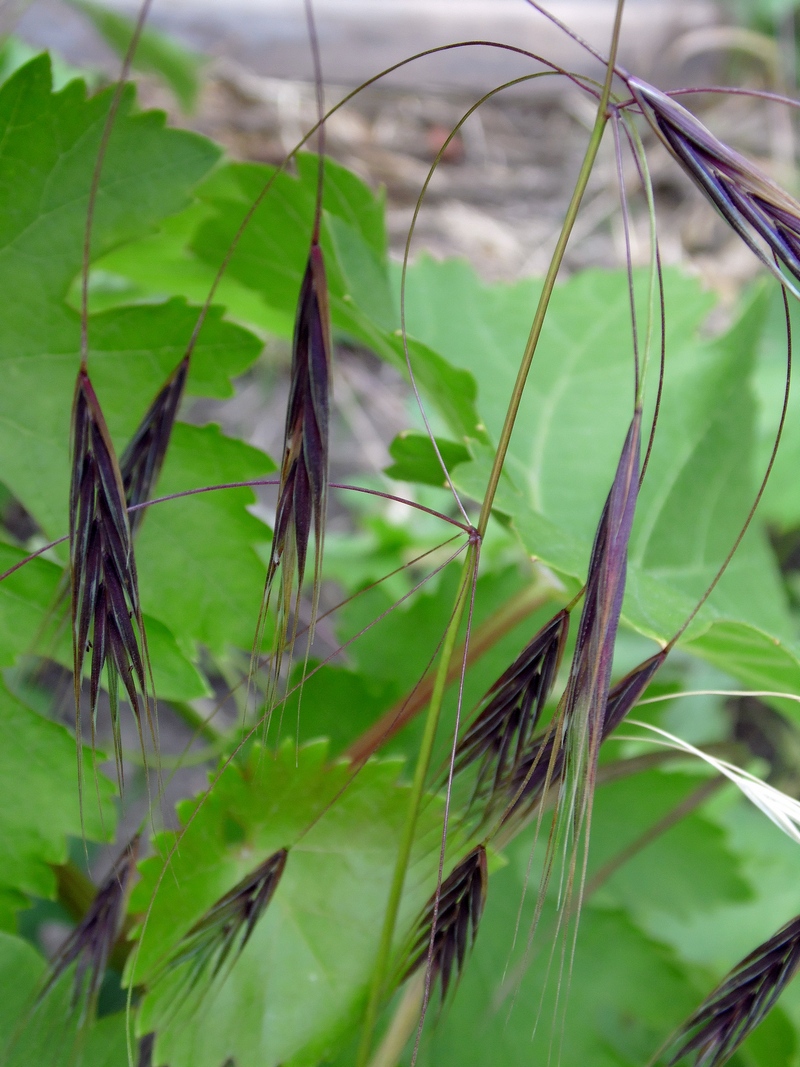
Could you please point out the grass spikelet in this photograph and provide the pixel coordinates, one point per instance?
(219, 937)
(449, 923)
(747, 198)
(503, 730)
(568, 752)
(629, 690)
(582, 713)
(742, 1000)
(106, 611)
(90, 943)
(143, 458)
(303, 487)
(536, 765)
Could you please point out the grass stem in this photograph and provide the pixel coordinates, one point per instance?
(543, 590)
(440, 684)
(403, 1024)
(414, 803)
(550, 278)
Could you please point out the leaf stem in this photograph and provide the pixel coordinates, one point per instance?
(550, 278)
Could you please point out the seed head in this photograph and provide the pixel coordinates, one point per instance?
(461, 900)
(90, 943)
(143, 458)
(748, 199)
(502, 732)
(106, 611)
(220, 936)
(742, 1000)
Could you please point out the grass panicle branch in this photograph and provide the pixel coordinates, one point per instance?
(449, 922)
(106, 610)
(90, 943)
(742, 1000)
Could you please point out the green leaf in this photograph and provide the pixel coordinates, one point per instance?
(416, 461)
(200, 576)
(299, 986)
(159, 265)
(29, 596)
(25, 598)
(47, 153)
(39, 805)
(263, 277)
(156, 52)
(271, 255)
(47, 1036)
(626, 991)
(15, 53)
(686, 871)
(199, 572)
(699, 485)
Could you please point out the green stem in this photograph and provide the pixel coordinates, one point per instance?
(415, 799)
(449, 643)
(550, 279)
(402, 1025)
(530, 599)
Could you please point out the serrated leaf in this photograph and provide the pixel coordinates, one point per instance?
(46, 159)
(49, 146)
(699, 484)
(264, 274)
(298, 988)
(271, 256)
(39, 801)
(416, 461)
(159, 265)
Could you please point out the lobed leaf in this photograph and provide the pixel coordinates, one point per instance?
(297, 989)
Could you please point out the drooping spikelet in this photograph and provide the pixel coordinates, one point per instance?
(303, 486)
(461, 900)
(583, 708)
(219, 937)
(567, 752)
(747, 198)
(533, 769)
(106, 610)
(742, 1000)
(90, 943)
(143, 458)
(503, 730)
